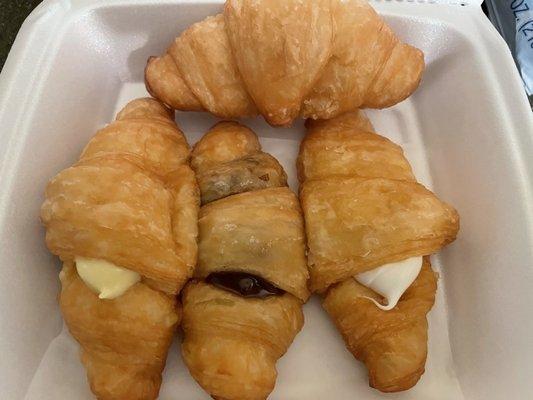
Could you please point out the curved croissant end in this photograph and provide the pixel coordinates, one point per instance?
(232, 344)
(124, 341)
(392, 344)
(163, 81)
(398, 79)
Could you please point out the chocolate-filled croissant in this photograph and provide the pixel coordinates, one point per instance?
(244, 308)
(364, 211)
(123, 219)
(286, 58)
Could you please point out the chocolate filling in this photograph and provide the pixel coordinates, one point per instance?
(246, 285)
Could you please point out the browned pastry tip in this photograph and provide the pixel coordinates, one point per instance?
(399, 78)
(164, 82)
(392, 344)
(228, 160)
(147, 75)
(232, 343)
(225, 141)
(124, 341)
(204, 46)
(147, 108)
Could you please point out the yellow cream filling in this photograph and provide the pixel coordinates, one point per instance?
(106, 279)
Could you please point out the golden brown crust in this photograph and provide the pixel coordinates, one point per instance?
(225, 141)
(131, 200)
(124, 341)
(163, 80)
(254, 226)
(161, 146)
(236, 231)
(363, 208)
(280, 48)
(116, 203)
(184, 214)
(203, 56)
(363, 43)
(357, 224)
(399, 77)
(147, 108)
(87, 214)
(232, 344)
(333, 149)
(392, 344)
(259, 232)
(314, 59)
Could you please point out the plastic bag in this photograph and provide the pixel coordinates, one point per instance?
(514, 21)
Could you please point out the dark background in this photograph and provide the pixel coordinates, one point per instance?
(12, 14)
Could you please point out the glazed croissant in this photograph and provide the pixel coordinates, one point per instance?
(245, 307)
(130, 200)
(284, 59)
(364, 209)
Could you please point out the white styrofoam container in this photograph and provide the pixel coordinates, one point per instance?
(467, 130)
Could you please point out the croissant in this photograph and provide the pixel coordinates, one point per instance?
(284, 59)
(244, 307)
(364, 209)
(131, 200)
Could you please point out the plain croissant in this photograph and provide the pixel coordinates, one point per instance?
(363, 209)
(131, 200)
(244, 309)
(284, 59)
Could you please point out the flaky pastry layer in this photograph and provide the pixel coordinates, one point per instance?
(130, 199)
(232, 344)
(124, 342)
(392, 344)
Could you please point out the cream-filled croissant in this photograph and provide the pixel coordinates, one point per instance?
(284, 59)
(370, 229)
(123, 220)
(244, 308)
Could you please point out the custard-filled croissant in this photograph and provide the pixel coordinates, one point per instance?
(364, 211)
(127, 209)
(284, 59)
(244, 308)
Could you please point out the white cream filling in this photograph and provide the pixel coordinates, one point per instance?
(391, 280)
(108, 280)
